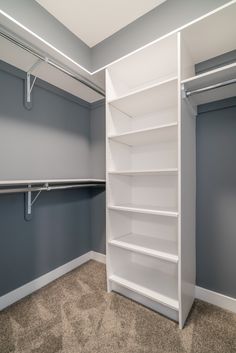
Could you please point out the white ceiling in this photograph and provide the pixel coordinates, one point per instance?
(93, 20)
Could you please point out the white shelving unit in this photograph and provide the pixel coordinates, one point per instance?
(151, 174)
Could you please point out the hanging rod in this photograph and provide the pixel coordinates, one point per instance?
(47, 188)
(209, 88)
(76, 77)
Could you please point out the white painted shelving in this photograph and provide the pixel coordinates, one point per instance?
(151, 174)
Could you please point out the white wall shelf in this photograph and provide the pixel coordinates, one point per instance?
(144, 209)
(148, 100)
(167, 171)
(151, 294)
(152, 246)
(149, 135)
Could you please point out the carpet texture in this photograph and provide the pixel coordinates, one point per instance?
(74, 314)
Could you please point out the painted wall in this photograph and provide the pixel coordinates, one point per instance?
(50, 141)
(167, 17)
(163, 19)
(216, 197)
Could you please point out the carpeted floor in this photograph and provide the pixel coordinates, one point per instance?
(75, 315)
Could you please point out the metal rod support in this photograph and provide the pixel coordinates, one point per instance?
(32, 51)
(209, 88)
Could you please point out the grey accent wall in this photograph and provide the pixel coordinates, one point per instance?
(98, 162)
(50, 141)
(216, 197)
(58, 233)
(163, 19)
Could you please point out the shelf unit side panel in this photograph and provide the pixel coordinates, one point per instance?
(187, 200)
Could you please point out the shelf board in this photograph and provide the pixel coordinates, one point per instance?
(168, 171)
(149, 99)
(144, 209)
(147, 136)
(153, 295)
(151, 246)
(209, 78)
(49, 181)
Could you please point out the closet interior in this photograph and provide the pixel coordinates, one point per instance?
(144, 157)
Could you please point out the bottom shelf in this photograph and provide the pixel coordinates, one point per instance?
(160, 298)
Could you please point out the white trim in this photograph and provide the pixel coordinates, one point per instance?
(42, 281)
(206, 295)
(223, 301)
(98, 257)
(125, 56)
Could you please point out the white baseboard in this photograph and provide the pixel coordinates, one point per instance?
(221, 300)
(206, 295)
(42, 281)
(98, 257)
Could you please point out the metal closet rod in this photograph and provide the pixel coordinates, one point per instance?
(47, 188)
(76, 77)
(209, 88)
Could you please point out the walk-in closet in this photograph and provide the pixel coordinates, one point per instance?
(117, 177)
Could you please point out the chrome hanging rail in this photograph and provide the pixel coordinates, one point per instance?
(209, 88)
(32, 51)
(46, 187)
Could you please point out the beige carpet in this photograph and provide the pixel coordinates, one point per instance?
(75, 315)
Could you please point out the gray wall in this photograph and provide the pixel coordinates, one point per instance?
(50, 141)
(165, 18)
(98, 161)
(216, 197)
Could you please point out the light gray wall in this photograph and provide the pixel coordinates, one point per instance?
(41, 22)
(50, 141)
(169, 16)
(216, 197)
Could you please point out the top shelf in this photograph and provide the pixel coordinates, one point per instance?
(211, 78)
(153, 98)
(50, 181)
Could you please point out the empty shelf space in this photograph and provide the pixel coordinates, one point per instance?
(152, 246)
(153, 295)
(144, 209)
(150, 99)
(167, 171)
(211, 78)
(149, 135)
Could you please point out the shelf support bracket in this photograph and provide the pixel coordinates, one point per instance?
(29, 202)
(29, 86)
(184, 96)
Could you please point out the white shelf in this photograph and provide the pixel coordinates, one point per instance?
(50, 181)
(209, 78)
(147, 136)
(167, 171)
(153, 295)
(144, 209)
(151, 246)
(152, 98)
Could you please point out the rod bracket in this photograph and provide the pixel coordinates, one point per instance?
(29, 202)
(187, 99)
(29, 84)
